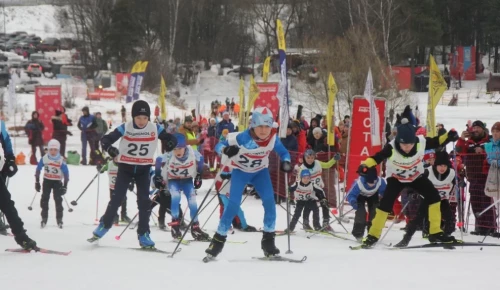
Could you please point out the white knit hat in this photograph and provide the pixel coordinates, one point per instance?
(54, 144)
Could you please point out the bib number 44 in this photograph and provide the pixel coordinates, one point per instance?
(134, 149)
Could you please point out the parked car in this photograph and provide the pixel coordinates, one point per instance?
(3, 57)
(244, 70)
(49, 44)
(34, 70)
(66, 43)
(27, 86)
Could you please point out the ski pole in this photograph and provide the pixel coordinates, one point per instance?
(97, 199)
(121, 234)
(393, 223)
(67, 204)
(291, 215)
(488, 208)
(289, 251)
(33, 200)
(75, 202)
(460, 222)
(339, 221)
(216, 206)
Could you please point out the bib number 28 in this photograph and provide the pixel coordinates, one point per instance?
(134, 149)
(243, 160)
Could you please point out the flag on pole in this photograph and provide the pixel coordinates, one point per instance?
(131, 82)
(138, 80)
(330, 115)
(242, 113)
(437, 86)
(283, 87)
(161, 99)
(374, 119)
(265, 69)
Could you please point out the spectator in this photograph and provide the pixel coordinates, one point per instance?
(87, 124)
(188, 131)
(493, 147)
(60, 131)
(472, 144)
(101, 129)
(303, 123)
(313, 124)
(212, 128)
(34, 129)
(224, 124)
(300, 135)
(290, 141)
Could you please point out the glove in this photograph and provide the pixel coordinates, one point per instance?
(362, 169)
(452, 135)
(99, 168)
(225, 175)
(113, 151)
(10, 167)
(231, 151)
(286, 166)
(197, 181)
(63, 189)
(166, 192)
(354, 206)
(324, 202)
(159, 182)
(131, 186)
(337, 156)
(38, 187)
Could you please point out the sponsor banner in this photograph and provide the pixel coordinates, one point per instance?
(47, 100)
(99, 95)
(268, 97)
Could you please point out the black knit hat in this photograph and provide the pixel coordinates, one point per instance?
(406, 133)
(479, 124)
(371, 175)
(141, 108)
(442, 158)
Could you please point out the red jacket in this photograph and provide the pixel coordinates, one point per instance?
(474, 162)
(302, 141)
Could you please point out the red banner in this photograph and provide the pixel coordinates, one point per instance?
(122, 83)
(47, 100)
(267, 97)
(359, 144)
(97, 95)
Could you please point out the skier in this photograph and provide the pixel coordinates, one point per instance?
(55, 170)
(9, 168)
(306, 194)
(248, 152)
(365, 190)
(442, 177)
(112, 168)
(316, 168)
(182, 169)
(139, 139)
(405, 168)
(239, 221)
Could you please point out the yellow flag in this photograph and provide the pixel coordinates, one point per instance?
(161, 99)
(143, 67)
(437, 86)
(265, 69)
(281, 35)
(241, 115)
(253, 95)
(136, 67)
(332, 93)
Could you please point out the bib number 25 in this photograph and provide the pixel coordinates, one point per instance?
(243, 160)
(134, 149)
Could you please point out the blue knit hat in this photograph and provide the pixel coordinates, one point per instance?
(181, 140)
(305, 173)
(406, 133)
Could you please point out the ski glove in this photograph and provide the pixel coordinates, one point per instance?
(337, 156)
(131, 186)
(225, 175)
(99, 168)
(324, 202)
(38, 187)
(113, 151)
(166, 193)
(231, 151)
(453, 135)
(286, 166)
(197, 181)
(10, 167)
(354, 206)
(159, 182)
(62, 190)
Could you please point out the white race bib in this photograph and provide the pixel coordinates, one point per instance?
(138, 146)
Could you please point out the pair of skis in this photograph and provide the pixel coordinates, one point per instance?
(210, 258)
(435, 245)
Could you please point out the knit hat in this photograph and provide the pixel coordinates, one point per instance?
(406, 133)
(188, 119)
(309, 152)
(479, 124)
(495, 126)
(54, 144)
(317, 130)
(371, 175)
(141, 108)
(305, 173)
(429, 155)
(225, 131)
(181, 140)
(442, 158)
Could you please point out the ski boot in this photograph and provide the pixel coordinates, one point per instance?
(216, 245)
(25, 242)
(145, 241)
(268, 246)
(161, 225)
(116, 220)
(198, 234)
(403, 243)
(442, 238)
(306, 226)
(125, 218)
(99, 232)
(359, 239)
(369, 242)
(183, 225)
(175, 229)
(43, 223)
(60, 223)
(249, 229)
(327, 227)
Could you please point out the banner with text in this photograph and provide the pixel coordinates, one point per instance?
(47, 100)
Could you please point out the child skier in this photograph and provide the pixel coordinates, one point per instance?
(442, 177)
(316, 169)
(182, 169)
(55, 170)
(139, 139)
(365, 190)
(112, 168)
(248, 152)
(405, 168)
(306, 194)
(223, 189)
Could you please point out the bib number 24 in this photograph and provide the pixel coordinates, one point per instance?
(243, 160)
(134, 149)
